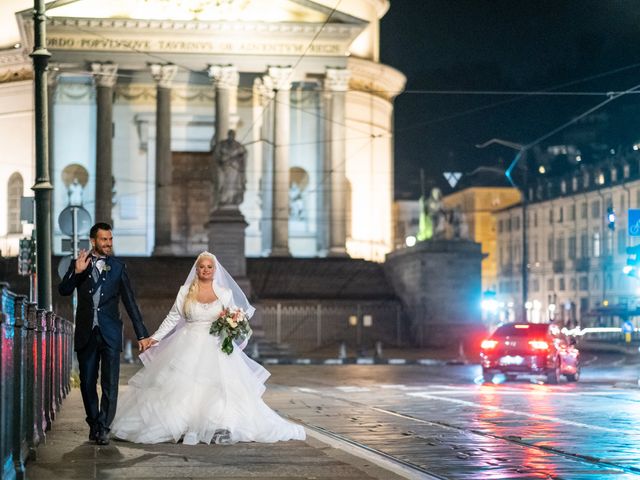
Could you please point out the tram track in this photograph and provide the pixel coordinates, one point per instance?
(582, 459)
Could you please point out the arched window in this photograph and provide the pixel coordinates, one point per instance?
(14, 193)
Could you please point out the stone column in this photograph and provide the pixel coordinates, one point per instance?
(336, 84)
(278, 80)
(105, 75)
(225, 79)
(163, 75)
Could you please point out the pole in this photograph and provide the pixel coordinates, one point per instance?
(74, 247)
(525, 256)
(42, 187)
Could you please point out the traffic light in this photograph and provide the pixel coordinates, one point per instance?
(27, 256)
(633, 262)
(611, 218)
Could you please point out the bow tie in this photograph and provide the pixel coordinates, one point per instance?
(95, 258)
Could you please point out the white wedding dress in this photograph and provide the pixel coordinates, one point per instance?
(191, 390)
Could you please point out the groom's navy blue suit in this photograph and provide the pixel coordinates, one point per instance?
(98, 298)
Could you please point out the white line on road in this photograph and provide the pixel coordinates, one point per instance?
(512, 412)
(354, 389)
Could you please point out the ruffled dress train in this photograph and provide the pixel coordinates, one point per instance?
(191, 390)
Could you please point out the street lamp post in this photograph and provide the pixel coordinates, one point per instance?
(521, 155)
(42, 187)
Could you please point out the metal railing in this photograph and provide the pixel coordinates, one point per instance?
(310, 325)
(36, 351)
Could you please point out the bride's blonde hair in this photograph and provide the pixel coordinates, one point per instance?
(194, 288)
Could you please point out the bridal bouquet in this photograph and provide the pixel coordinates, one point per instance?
(232, 324)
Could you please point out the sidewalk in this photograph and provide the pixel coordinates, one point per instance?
(68, 454)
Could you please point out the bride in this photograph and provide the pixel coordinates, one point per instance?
(188, 388)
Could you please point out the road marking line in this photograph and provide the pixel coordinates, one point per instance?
(513, 412)
(354, 389)
(308, 390)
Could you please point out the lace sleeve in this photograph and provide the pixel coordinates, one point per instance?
(173, 317)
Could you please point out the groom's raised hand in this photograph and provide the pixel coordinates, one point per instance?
(83, 261)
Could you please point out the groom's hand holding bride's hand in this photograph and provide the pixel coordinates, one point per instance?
(145, 343)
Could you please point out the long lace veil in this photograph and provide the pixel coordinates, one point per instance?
(225, 288)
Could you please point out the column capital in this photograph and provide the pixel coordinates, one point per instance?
(224, 76)
(105, 74)
(278, 78)
(163, 74)
(336, 79)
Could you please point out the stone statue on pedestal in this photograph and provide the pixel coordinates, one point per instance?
(230, 158)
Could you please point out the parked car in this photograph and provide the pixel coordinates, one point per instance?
(530, 349)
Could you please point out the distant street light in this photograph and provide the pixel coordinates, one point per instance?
(522, 150)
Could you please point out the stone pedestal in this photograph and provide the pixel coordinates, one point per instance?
(226, 241)
(439, 284)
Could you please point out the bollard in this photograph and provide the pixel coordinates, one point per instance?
(461, 355)
(38, 366)
(128, 352)
(342, 352)
(48, 372)
(20, 449)
(378, 353)
(6, 383)
(30, 386)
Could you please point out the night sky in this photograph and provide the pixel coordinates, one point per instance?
(507, 45)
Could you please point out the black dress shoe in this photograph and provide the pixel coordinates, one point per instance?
(93, 432)
(103, 437)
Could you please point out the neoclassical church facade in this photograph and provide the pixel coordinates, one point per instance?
(141, 90)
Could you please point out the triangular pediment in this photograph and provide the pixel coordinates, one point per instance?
(270, 11)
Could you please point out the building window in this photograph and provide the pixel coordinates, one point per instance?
(550, 249)
(626, 171)
(574, 184)
(563, 186)
(572, 247)
(517, 223)
(584, 283)
(596, 244)
(535, 218)
(499, 226)
(583, 210)
(560, 215)
(560, 249)
(561, 284)
(595, 209)
(584, 245)
(550, 285)
(535, 251)
(609, 280)
(621, 202)
(600, 178)
(585, 180)
(572, 213)
(535, 285)
(622, 241)
(551, 216)
(614, 175)
(572, 284)
(15, 188)
(595, 282)
(609, 243)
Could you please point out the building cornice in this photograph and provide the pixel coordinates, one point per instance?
(15, 66)
(194, 37)
(375, 78)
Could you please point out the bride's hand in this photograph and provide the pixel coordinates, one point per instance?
(145, 343)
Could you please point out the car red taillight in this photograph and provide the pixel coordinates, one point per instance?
(488, 344)
(538, 345)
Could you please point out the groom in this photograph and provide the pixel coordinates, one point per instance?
(101, 280)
